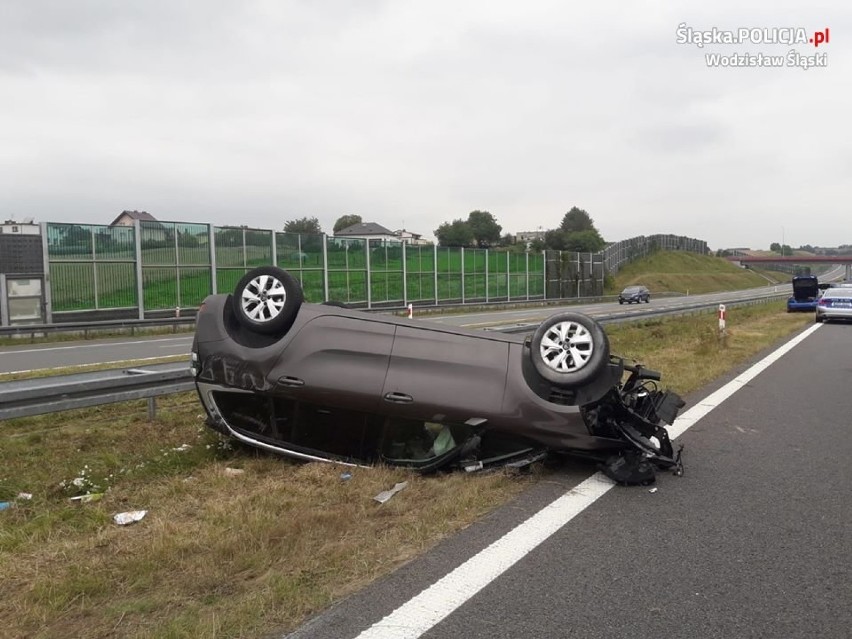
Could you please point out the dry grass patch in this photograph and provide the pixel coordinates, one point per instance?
(223, 555)
(218, 555)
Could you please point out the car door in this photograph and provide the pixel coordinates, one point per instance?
(444, 376)
(336, 360)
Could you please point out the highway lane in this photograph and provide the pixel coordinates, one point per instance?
(753, 541)
(65, 354)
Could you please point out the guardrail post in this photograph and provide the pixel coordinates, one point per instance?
(140, 292)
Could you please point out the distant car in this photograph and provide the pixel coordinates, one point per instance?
(835, 304)
(805, 293)
(324, 383)
(634, 294)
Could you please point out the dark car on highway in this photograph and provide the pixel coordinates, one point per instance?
(325, 382)
(805, 293)
(636, 294)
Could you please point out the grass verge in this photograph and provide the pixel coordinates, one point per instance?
(225, 554)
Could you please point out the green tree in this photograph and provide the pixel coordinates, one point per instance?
(484, 227)
(555, 239)
(455, 233)
(775, 247)
(303, 225)
(345, 221)
(589, 241)
(577, 220)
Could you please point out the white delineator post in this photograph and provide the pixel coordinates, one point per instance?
(722, 318)
(410, 311)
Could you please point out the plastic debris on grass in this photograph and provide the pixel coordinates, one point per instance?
(385, 495)
(234, 472)
(82, 499)
(130, 517)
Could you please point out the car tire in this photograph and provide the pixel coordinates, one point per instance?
(267, 299)
(569, 349)
(621, 301)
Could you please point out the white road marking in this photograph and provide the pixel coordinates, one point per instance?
(439, 600)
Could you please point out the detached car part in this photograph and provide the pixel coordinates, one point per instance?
(325, 382)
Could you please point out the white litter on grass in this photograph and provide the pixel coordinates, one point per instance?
(652, 490)
(87, 497)
(182, 448)
(25, 496)
(122, 519)
(233, 472)
(385, 495)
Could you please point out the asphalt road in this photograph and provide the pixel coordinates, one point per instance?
(65, 354)
(755, 540)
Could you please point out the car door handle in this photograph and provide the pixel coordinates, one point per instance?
(399, 398)
(290, 381)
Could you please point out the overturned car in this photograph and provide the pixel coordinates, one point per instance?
(325, 382)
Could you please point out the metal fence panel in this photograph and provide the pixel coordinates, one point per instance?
(94, 267)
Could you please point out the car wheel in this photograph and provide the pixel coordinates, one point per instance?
(621, 301)
(267, 299)
(569, 349)
(648, 300)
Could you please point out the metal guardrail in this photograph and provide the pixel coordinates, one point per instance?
(91, 327)
(628, 316)
(29, 397)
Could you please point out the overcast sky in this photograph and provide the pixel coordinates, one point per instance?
(412, 113)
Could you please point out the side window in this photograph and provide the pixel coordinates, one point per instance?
(345, 434)
(416, 442)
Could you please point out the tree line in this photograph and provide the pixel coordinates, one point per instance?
(576, 232)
